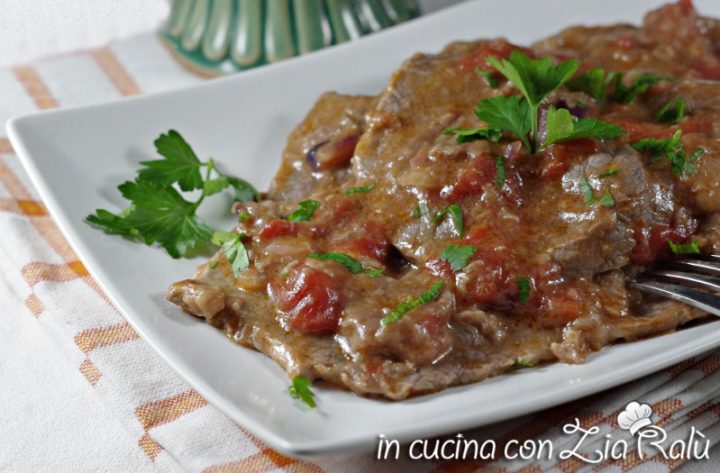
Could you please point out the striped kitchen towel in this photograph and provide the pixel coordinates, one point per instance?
(176, 428)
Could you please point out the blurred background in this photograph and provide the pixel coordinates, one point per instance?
(30, 29)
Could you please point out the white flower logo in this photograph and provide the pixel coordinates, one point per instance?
(635, 417)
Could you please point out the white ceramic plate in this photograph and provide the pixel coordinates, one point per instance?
(77, 157)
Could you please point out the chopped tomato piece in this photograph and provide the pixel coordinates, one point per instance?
(560, 308)
(557, 157)
(439, 267)
(311, 299)
(476, 174)
(366, 247)
(639, 130)
(279, 228)
(478, 57)
(652, 242)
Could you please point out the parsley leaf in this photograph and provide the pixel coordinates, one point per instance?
(607, 200)
(672, 150)
(499, 172)
(305, 211)
(535, 79)
(673, 111)
(684, 248)
(593, 82)
(610, 172)
(352, 265)
(158, 214)
(456, 214)
(520, 363)
(507, 113)
(180, 165)
(523, 289)
(300, 389)
(458, 255)
(234, 250)
(244, 191)
(413, 303)
(466, 135)
(421, 210)
(490, 78)
(624, 94)
(562, 126)
(360, 189)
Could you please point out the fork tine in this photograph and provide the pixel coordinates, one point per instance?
(712, 267)
(711, 282)
(702, 300)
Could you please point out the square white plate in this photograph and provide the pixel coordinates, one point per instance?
(76, 158)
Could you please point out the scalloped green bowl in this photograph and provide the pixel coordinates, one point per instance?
(215, 37)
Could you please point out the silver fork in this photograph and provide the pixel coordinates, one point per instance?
(695, 282)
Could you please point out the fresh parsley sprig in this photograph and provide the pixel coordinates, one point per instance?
(519, 115)
(535, 79)
(158, 212)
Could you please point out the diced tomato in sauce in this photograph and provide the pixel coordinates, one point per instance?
(560, 307)
(311, 299)
(480, 171)
(652, 242)
(366, 247)
(278, 229)
(557, 157)
(478, 58)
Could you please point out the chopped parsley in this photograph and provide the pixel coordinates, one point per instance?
(624, 94)
(212, 264)
(413, 303)
(243, 217)
(519, 115)
(491, 79)
(520, 363)
(158, 212)
(420, 211)
(593, 82)
(466, 135)
(352, 265)
(672, 150)
(234, 250)
(523, 289)
(610, 172)
(360, 189)
(456, 214)
(305, 211)
(300, 389)
(673, 111)
(499, 172)
(691, 248)
(597, 81)
(458, 255)
(607, 200)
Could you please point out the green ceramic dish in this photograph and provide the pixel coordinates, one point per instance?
(223, 36)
